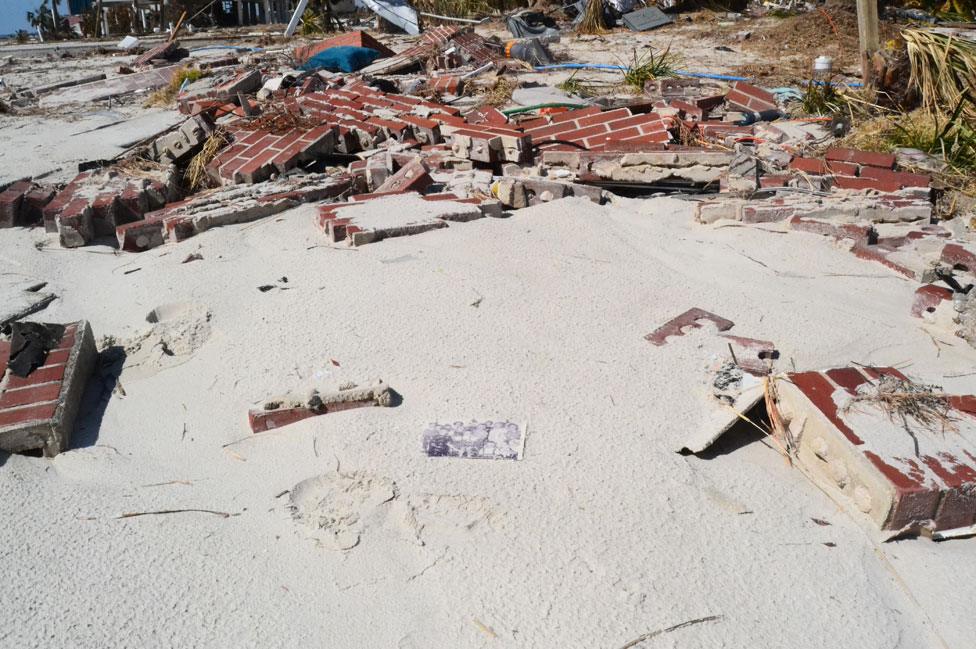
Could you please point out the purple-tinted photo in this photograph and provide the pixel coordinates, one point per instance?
(485, 440)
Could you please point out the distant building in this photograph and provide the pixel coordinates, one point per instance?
(222, 13)
(79, 6)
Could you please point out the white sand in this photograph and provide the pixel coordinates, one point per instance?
(600, 534)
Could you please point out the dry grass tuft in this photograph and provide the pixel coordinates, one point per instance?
(500, 93)
(592, 21)
(166, 95)
(908, 403)
(943, 68)
(195, 177)
(140, 167)
(585, 87)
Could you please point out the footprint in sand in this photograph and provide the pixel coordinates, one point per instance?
(338, 508)
(176, 331)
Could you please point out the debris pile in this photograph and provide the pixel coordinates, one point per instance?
(391, 139)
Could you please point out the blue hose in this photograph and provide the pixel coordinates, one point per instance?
(680, 73)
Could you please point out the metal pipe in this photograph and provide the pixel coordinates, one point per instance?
(295, 17)
(460, 20)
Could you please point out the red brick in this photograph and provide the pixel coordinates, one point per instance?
(23, 415)
(872, 253)
(40, 375)
(487, 115)
(958, 257)
(902, 178)
(928, 297)
(688, 319)
(913, 502)
(809, 165)
(826, 228)
(636, 120)
(654, 137)
(773, 181)
(57, 356)
(958, 505)
(688, 111)
(11, 204)
(265, 420)
(866, 158)
(603, 118)
(750, 98)
(842, 168)
(30, 395)
(844, 182)
(411, 177)
(529, 124)
(819, 391)
(551, 131)
(446, 84)
(575, 114)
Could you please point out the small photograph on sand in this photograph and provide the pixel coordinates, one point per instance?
(485, 440)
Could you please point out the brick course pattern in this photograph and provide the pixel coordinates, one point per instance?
(38, 412)
(96, 202)
(256, 155)
(860, 170)
(22, 202)
(749, 98)
(595, 129)
(225, 206)
(859, 452)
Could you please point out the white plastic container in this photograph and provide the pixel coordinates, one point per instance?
(822, 66)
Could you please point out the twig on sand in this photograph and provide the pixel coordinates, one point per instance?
(647, 636)
(164, 484)
(176, 511)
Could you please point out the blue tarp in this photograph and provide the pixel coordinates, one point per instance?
(344, 58)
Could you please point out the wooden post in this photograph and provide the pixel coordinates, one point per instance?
(867, 30)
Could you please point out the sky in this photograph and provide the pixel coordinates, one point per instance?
(13, 13)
